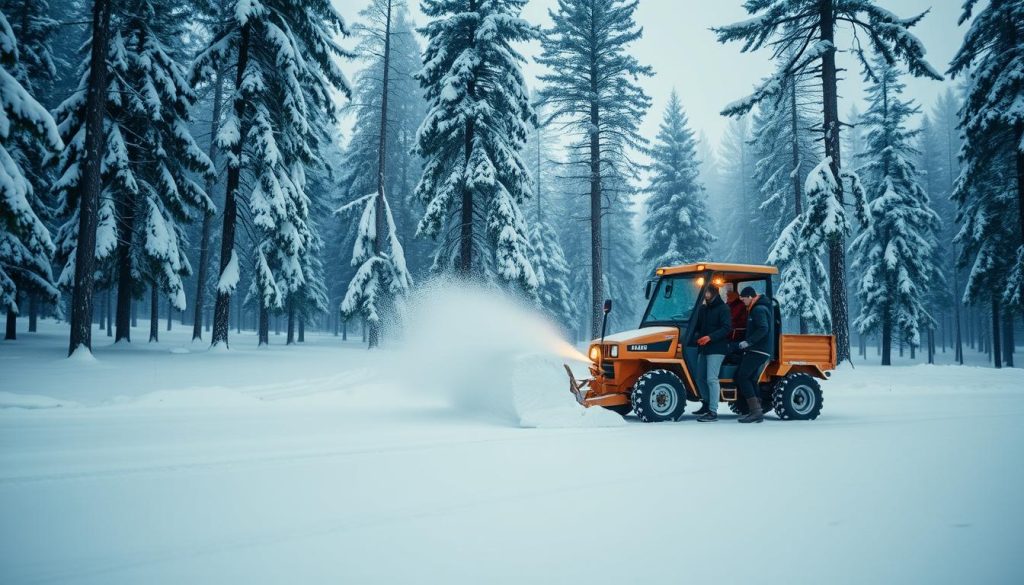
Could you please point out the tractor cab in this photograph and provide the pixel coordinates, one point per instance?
(625, 363)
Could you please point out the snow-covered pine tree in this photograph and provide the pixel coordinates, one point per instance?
(940, 144)
(785, 150)
(546, 256)
(381, 277)
(992, 122)
(592, 86)
(895, 252)
(357, 174)
(474, 178)
(622, 251)
(283, 56)
(735, 209)
(25, 244)
(372, 161)
(151, 156)
(677, 227)
(82, 167)
(802, 34)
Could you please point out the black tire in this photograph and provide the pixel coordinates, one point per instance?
(797, 397)
(620, 409)
(658, 396)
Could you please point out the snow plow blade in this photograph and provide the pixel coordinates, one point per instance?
(577, 388)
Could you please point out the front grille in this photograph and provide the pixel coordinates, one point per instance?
(608, 369)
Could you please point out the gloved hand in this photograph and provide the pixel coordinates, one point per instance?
(744, 345)
(704, 341)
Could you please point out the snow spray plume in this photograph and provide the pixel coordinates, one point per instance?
(481, 349)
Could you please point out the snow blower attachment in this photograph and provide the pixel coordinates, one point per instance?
(652, 371)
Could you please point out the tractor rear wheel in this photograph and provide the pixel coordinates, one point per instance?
(659, 395)
(797, 397)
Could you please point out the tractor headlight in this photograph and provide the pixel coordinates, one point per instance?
(595, 353)
(614, 351)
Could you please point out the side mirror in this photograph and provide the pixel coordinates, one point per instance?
(647, 289)
(607, 306)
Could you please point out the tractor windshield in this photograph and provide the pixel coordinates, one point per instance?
(673, 300)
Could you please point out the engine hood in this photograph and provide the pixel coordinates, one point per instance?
(644, 334)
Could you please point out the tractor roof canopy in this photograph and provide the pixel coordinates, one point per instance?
(729, 271)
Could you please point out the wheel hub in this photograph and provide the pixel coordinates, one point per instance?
(803, 399)
(663, 399)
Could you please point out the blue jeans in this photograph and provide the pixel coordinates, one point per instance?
(710, 366)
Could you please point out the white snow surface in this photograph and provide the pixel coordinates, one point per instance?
(457, 455)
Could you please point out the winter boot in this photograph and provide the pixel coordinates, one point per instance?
(754, 414)
(702, 410)
(708, 417)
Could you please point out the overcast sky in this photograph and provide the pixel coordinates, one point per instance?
(678, 44)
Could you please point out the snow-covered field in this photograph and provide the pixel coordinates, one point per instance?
(325, 463)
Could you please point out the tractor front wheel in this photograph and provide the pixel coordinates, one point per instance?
(659, 395)
(797, 397)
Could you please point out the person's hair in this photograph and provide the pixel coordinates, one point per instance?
(748, 292)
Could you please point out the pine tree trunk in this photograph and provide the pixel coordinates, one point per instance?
(170, 313)
(154, 313)
(344, 330)
(110, 317)
(302, 329)
(264, 326)
(1019, 141)
(931, 346)
(33, 312)
(794, 128)
(124, 319)
(291, 323)
(378, 240)
(211, 184)
(466, 228)
(1008, 340)
(12, 325)
(95, 146)
(596, 267)
(997, 354)
(222, 308)
(886, 339)
(238, 318)
(837, 246)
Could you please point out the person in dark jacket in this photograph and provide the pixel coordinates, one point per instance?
(713, 326)
(757, 347)
(739, 315)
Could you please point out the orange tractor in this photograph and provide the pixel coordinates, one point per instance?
(652, 371)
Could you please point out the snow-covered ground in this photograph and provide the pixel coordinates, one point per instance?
(325, 463)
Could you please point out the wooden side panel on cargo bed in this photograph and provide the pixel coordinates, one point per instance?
(805, 351)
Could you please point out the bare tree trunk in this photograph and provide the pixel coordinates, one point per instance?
(837, 246)
(222, 308)
(997, 353)
(1008, 341)
(264, 326)
(795, 153)
(33, 312)
(378, 240)
(95, 146)
(211, 184)
(887, 339)
(154, 313)
(291, 323)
